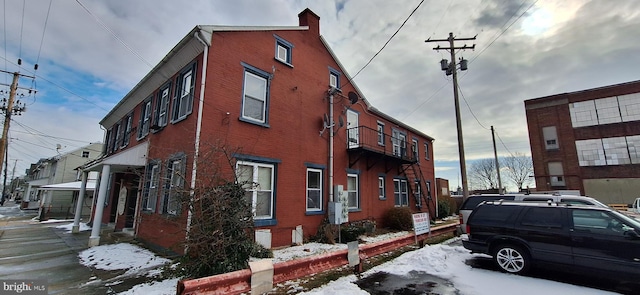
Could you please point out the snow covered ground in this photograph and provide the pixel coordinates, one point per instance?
(443, 260)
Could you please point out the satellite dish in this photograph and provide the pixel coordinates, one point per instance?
(353, 97)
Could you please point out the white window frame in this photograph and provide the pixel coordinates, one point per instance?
(550, 137)
(400, 192)
(284, 51)
(414, 147)
(164, 96)
(320, 201)
(353, 192)
(151, 200)
(380, 133)
(263, 77)
(127, 130)
(556, 174)
(183, 102)
(254, 188)
(426, 151)
(381, 188)
(417, 194)
(145, 118)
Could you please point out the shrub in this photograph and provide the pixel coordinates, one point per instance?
(351, 232)
(398, 218)
(444, 209)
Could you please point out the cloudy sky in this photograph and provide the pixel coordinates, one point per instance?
(90, 53)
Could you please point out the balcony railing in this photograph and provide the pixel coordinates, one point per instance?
(367, 139)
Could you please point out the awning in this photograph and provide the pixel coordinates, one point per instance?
(69, 186)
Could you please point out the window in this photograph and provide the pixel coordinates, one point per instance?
(556, 174)
(256, 96)
(542, 217)
(607, 110)
(426, 151)
(314, 189)
(116, 137)
(183, 101)
(352, 191)
(414, 149)
(283, 50)
(633, 144)
(399, 142)
(616, 151)
(380, 133)
(107, 146)
(150, 198)
(629, 107)
(174, 183)
(258, 181)
(381, 193)
(85, 154)
(417, 193)
(334, 78)
(400, 192)
(583, 113)
(127, 129)
(590, 152)
(550, 137)
(145, 118)
(162, 106)
(598, 222)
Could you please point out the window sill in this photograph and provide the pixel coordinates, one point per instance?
(308, 213)
(283, 62)
(265, 222)
(355, 210)
(382, 198)
(243, 119)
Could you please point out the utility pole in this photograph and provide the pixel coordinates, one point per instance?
(451, 68)
(495, 154)
(9, 108)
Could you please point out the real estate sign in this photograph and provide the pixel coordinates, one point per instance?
(421, 224)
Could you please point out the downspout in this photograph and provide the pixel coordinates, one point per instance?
(198, 128)
(331, 145)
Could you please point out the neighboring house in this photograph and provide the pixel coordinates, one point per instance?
(49, 182)
(265, 93)
(589, 141)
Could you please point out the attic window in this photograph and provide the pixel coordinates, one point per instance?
(283, 50)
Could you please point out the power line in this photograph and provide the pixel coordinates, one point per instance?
(104, 26)
(46, 20)
(385, 44)
(469, 107)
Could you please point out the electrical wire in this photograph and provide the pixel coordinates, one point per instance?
(104, 26)
(21, 28)
(469, 107)
(46, 20)
(385, 44)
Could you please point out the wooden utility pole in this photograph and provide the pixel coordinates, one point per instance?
(9, 109)
(495, 154)
(451, 68)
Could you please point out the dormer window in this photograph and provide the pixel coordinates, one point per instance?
(334, 78)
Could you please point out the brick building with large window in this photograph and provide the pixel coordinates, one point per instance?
(271, 95)
(589, 141)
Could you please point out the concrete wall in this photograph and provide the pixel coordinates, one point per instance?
(614, 190)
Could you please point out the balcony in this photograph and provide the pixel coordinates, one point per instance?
(367, 143)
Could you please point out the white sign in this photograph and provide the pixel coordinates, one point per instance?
(122, 200)
(421, 223)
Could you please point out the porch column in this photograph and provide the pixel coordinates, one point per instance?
(83, 187)
(94, 239)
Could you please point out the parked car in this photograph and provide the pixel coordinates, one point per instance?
(521, 234)
(472, 202)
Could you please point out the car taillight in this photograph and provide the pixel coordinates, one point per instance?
(468, 229)
(460, 219)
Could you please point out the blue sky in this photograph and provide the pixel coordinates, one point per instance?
(91, 53)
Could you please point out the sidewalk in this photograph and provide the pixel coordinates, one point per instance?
(32, 250)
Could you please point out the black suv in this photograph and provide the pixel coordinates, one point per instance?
(519, 234)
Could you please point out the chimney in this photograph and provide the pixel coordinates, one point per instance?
(309, 18)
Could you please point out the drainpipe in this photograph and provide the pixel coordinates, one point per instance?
(198, 127)
(331, 93)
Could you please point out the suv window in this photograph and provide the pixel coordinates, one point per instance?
(494, 213)
(542, 217)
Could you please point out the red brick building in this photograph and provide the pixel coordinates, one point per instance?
(264, 93)
(589, 141)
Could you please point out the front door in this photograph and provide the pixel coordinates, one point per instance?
(352, 129)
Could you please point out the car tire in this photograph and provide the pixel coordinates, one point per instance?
(512, 259)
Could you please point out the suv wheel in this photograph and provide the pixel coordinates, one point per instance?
(512, 259)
